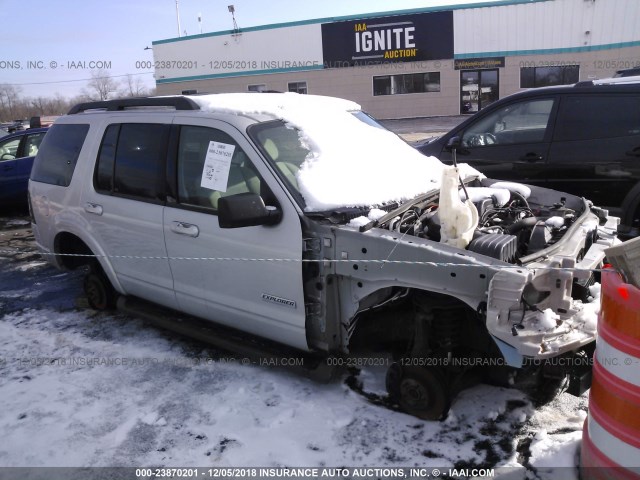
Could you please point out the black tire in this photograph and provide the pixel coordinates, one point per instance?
(547, 389)
(424, 393)
(100, 293)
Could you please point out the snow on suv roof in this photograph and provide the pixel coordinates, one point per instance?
(275, 104)
(350, 162)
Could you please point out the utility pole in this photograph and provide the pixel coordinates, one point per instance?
(178, 17)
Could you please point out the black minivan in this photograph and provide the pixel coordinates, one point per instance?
(582, 139)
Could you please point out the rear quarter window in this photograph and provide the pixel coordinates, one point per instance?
(58, 154)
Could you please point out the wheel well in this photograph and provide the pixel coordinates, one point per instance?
(394, 324)
(69, 244)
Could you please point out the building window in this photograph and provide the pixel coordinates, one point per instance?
(261, 87)
(298, 87)
(533, 77)
(408, 83)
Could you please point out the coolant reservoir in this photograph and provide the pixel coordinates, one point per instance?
(458, 220)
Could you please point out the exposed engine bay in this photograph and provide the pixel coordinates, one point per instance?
(514, 221)
(464, 275)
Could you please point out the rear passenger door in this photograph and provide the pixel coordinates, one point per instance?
(595, 151)
(224, 275)
(124, 206)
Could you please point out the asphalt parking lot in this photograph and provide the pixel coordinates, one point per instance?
(414, 129)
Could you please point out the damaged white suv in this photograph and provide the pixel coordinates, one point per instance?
(301, 220)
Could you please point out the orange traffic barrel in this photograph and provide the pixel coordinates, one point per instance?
(611, 435)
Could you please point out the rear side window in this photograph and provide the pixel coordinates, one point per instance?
(603, 116)
(131, 160)
(58, 154)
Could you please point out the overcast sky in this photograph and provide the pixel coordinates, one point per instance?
(44, 41)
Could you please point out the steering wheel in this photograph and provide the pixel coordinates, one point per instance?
(481, 139)
(490, 139)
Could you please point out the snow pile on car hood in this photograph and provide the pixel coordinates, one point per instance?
(350, 162)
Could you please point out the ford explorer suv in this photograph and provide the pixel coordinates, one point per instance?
(583, 139)
(300, 220)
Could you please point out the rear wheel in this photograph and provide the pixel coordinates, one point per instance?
(100, 293)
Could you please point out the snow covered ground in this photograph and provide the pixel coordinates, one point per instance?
(81, 388)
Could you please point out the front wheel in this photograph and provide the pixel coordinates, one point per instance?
(422, 392)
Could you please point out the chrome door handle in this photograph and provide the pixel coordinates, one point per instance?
(187, 229)
(93, 208)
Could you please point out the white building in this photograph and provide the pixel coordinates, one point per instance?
(413, 63)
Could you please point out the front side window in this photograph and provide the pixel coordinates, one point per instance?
(522, 122)
(58, 154)
(9, 149)
(212, 165)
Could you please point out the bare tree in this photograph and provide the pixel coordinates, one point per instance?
(39, 104)
(58, 105)
(101, 85)
(9, 98)
(133, 87)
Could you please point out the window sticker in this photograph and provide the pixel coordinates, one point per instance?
(215, 173)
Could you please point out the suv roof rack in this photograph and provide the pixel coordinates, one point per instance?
(179, 103)
(609, 81)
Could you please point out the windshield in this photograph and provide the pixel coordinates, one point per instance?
(347, 160)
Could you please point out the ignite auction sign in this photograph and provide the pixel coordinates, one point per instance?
(400, 38)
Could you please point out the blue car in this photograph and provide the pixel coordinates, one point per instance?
(17, 152)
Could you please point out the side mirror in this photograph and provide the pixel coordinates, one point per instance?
(454, 143)
(246, 210)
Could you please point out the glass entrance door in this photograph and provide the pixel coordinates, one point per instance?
(478, 88)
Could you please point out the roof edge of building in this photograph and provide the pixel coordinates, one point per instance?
(500, 3)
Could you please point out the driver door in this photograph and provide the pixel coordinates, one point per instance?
(232, 283)
(510, 142)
